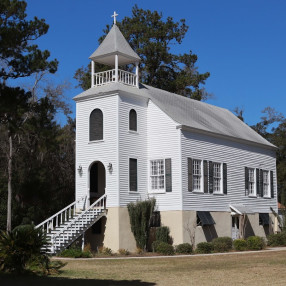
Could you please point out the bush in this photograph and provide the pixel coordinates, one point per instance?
(165, 248)
(75, 253)
(105, 251)
(222, 244)
(240, 244)
(184, 248)
(123, 251)
(255, 243)
(155, 245)
(23, 245)
(163, 234)
(278, 239)
(204, 247)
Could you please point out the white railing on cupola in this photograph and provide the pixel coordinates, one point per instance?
(106, 77)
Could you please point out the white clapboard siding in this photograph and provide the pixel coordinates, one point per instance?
(105, 151)
(237, 156)
(132, 145)
(163, 143)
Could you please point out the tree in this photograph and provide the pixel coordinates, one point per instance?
(18, 58)
(152, 38)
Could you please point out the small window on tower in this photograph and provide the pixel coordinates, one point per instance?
(132, 120)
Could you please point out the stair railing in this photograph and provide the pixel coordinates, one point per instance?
(99, 204)
(60, 217)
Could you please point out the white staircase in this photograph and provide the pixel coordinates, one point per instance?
(67, 225)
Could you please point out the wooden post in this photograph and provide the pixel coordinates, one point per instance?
(92, 73)
(137, 74)
(116, 68)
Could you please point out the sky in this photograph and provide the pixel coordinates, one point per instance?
(241, 43)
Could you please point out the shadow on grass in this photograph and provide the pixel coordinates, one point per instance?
(9, 280)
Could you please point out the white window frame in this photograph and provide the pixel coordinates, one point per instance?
(220, 190)
(266, 192)
(252, 192)
(201, 181)
(156, 190)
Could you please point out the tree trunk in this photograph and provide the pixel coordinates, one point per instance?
(9, 201)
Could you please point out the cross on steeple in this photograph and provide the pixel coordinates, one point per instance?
(114, 16)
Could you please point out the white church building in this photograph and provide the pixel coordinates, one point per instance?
(206, 168)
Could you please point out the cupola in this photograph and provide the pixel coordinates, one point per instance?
(114, 51)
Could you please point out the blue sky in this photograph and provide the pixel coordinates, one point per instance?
(241, 43)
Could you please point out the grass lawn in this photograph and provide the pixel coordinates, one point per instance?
(247, 269)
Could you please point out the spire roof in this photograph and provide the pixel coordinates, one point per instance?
(114, 43)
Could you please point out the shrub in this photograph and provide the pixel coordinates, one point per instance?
(240, 244)
(165, 248)
(204, 247)
(255, 243)
(163, 234)
(222, 244)
(75, 253)
(105, 251)
(155, 244)
(184, 248)
(278, 239)
(123, 251)
(139, 215)
(23, 245)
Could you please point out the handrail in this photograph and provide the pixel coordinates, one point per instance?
(50, 219)
(102, 198)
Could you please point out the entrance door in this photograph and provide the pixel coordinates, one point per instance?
(96, 181)
(235, 227)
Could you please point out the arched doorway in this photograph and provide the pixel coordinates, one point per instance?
(96, 181)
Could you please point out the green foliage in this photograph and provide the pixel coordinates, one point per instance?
(105, 251)
(22, 246)
(222, 244)
(240, 244)
(163, 248)
(277, 239)
(204, 247)
(123, 251)
(151, 36)
(140, 214)
(255, 243)
(184, 248)
(75, 253)
(19, 57)
(163, 234)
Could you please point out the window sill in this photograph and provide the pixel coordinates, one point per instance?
(218, 194)
(133, 132)
(95, 141)
(252, 196)
(134, 192)
(197, 192)
(157, 192)
(267, 198)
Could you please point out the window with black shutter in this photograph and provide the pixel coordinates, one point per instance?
(96, 125)
(132, 120)
(133, 175)
(168, 175)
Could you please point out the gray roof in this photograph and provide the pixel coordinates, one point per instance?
(190, 113)
(114, 43)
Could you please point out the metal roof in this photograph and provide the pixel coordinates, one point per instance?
(114, 43)
(188, 113)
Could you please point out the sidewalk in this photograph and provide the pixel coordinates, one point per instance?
(270, 249)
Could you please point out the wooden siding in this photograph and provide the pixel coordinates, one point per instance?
(237, 156)
(105, 151)
(132, 144)
(164, 143)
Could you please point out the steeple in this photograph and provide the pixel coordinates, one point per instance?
(114, 51)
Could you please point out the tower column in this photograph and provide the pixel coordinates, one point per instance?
(137, 74)
(116, 68)
(92, 73)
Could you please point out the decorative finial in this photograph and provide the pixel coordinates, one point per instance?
(114, 16)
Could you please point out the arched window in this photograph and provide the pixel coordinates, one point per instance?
(96, 125)
(132, 120)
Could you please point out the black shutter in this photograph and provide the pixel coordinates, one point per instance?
(261, 182)
(190, 174)
(96, 125)
(132, 120)
(133, 175)
(224, 178)
(206, 175)
(271, 184)
(168, 175)
(211, 177)
(257, 183)
(246, 175)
